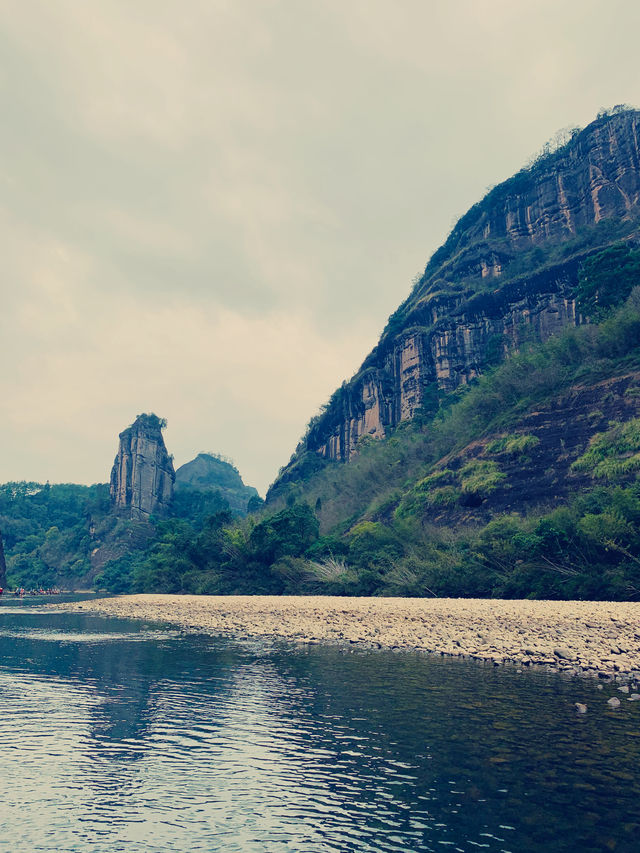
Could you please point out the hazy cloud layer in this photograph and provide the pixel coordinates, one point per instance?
(208, 209)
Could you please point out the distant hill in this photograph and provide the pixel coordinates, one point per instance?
(209, 472)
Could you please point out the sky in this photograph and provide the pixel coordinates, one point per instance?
(209, 208)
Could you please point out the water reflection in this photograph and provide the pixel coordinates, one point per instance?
(117, 735)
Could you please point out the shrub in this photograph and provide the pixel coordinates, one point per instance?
(513, 445)
(480, 477)
(606, 279)
(614, 454)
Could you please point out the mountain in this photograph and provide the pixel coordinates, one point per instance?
(506, 275)
(489, 445)
(209, 472)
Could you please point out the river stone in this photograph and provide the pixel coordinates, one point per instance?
(614, 702)
(563, 653)
(580, 708)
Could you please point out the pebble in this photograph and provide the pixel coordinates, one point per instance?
(596, 638)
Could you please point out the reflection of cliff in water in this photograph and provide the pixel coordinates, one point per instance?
(127, 666)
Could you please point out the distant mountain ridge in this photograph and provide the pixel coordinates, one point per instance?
(506, 274)
(210, 472)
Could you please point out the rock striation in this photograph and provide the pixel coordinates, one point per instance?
(142, 476)
(506, 275)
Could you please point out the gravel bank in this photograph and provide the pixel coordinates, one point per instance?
(599, 638)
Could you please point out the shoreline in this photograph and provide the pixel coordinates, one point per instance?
(600, 638)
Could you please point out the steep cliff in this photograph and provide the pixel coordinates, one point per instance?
(506, 274)
(208, 473)
(142, 476)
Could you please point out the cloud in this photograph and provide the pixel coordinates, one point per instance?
(209, 210)
(89, 360)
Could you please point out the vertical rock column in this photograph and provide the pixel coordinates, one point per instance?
(142, 476)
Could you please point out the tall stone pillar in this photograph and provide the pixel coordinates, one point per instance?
(142, 476)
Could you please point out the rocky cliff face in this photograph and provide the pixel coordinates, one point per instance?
(142, 476)
(506, 274)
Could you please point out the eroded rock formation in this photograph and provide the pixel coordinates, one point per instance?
(507, 273)
(142, 476)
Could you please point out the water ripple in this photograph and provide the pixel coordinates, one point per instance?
(127, 737)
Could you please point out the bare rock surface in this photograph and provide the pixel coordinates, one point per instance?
(142, 476)
(590, 634)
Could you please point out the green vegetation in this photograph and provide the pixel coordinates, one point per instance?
(513, 445)
(614, 454)
(588, 549)
(50, 533)
(399, 518)
(480, 478)
(46, 530)
(223, 556)
(606, 279)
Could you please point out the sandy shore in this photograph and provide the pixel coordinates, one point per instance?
(601, 638)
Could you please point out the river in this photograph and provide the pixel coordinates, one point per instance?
(119, 735)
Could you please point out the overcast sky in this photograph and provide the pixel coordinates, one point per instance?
(208, 208)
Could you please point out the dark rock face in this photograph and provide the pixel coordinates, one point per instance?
(142, 476)
(543, 475)
(209, 473)
(506, 274)
(3, 566)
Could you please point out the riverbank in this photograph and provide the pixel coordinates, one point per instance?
(601, 638)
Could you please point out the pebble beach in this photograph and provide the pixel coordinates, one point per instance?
(580, 637)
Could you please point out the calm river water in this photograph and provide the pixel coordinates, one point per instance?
(119, 735)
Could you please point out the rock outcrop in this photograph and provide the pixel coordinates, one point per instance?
(142, 476)
(210, 473)
(506, 274)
